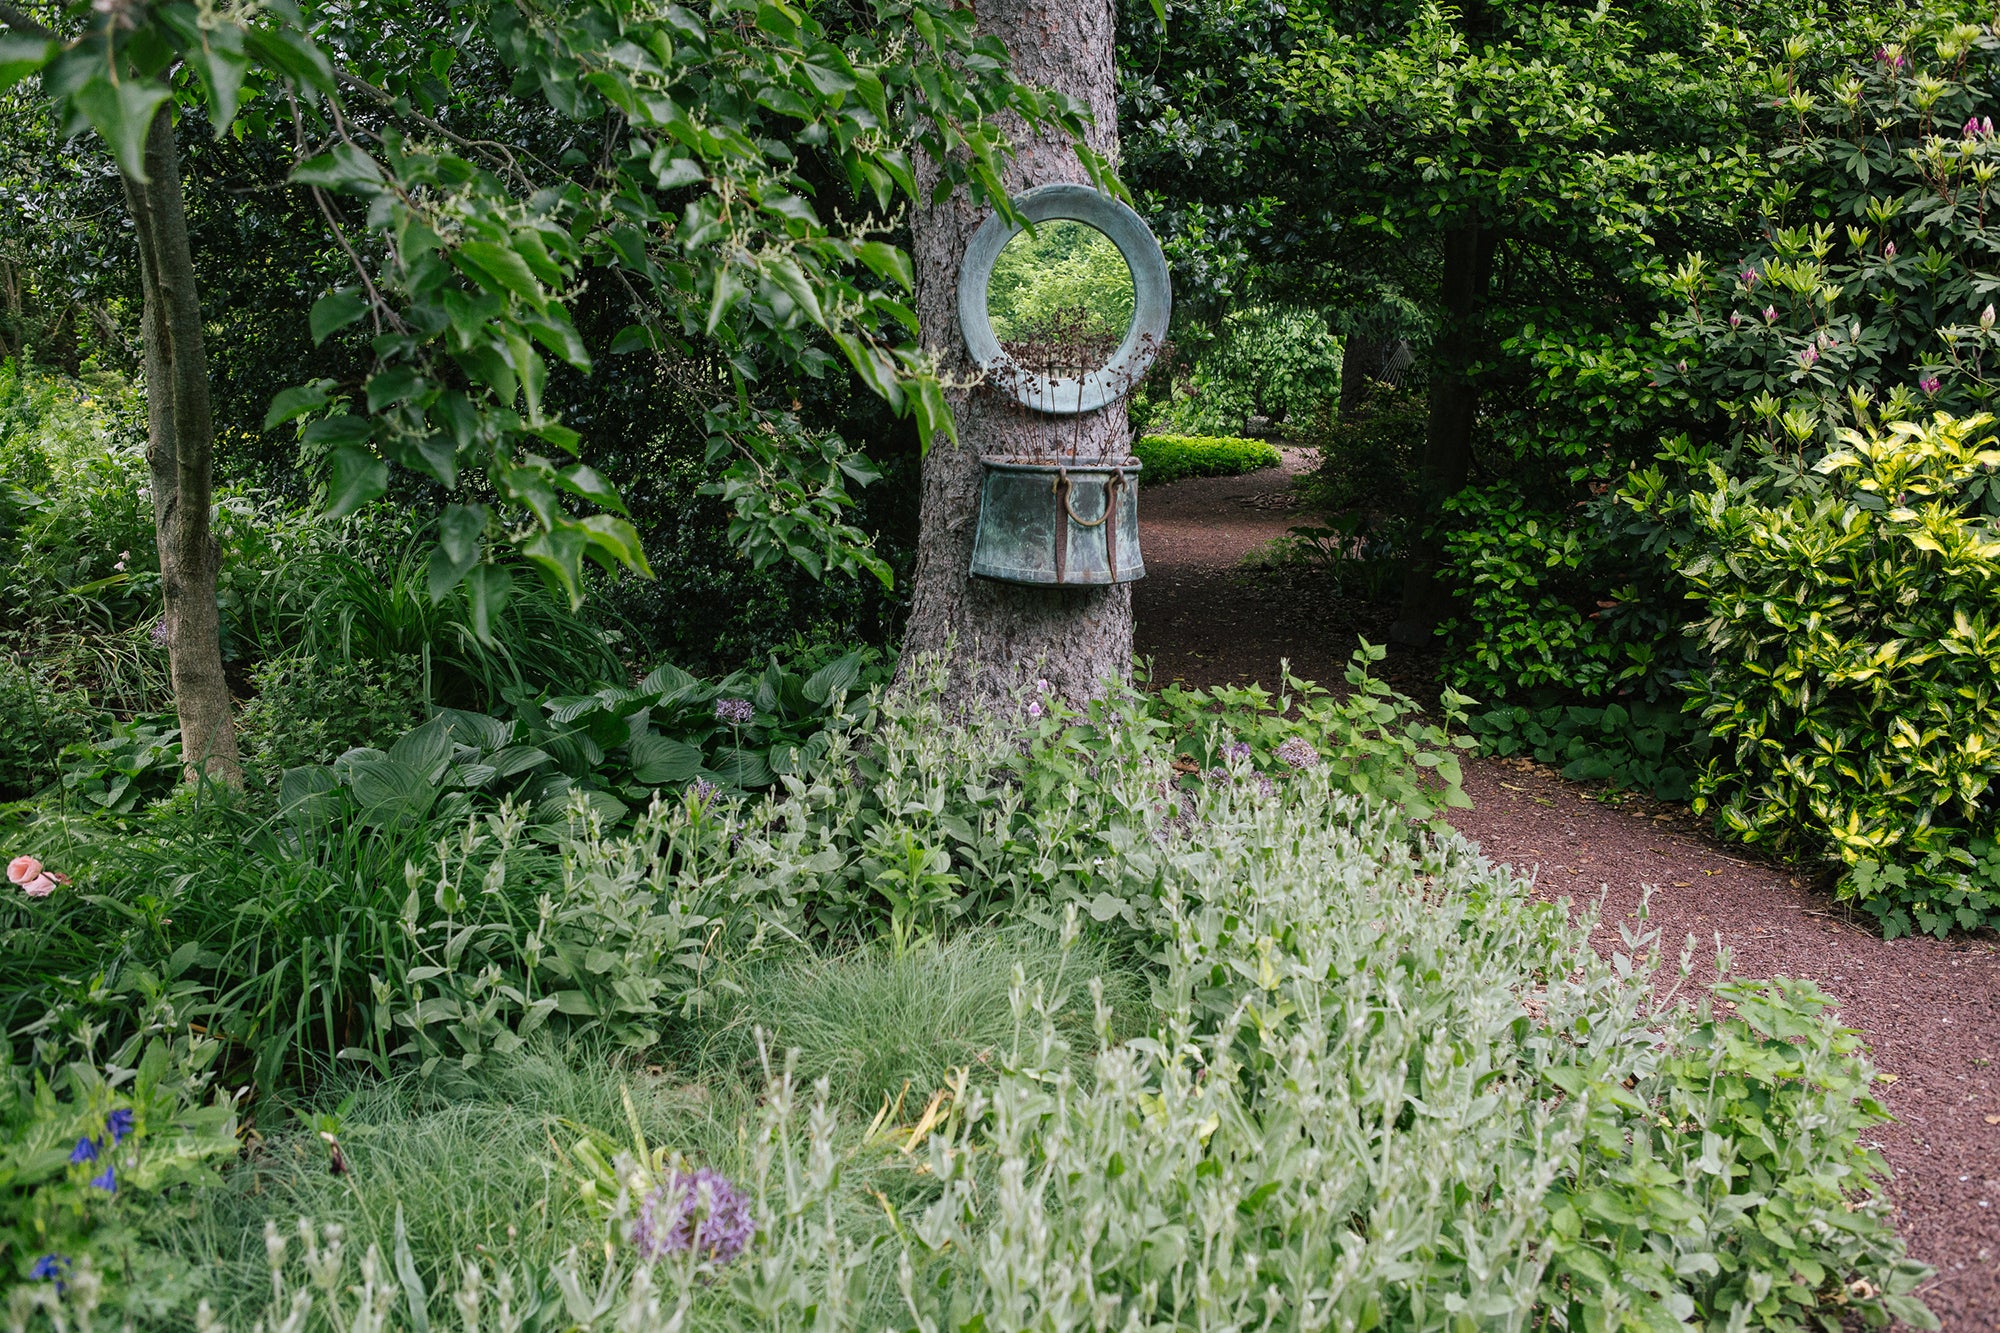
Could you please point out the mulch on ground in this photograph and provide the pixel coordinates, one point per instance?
(1929, 1009)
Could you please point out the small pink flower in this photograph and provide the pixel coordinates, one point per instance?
(1035, 709)
(22, 869)
(1770, 314)
(1971, 129)
(1930, 384)
(1809, 356)
(1736, 319)
(1889, 250)
(1749, 277)
(40, 887)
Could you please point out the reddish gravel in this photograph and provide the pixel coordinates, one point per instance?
(1929, 1009)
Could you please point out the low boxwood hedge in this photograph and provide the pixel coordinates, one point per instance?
(1174, 457)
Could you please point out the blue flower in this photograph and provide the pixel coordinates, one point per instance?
(84, 1151)
(119, 1124)
(50, 1266)
(108, 1182)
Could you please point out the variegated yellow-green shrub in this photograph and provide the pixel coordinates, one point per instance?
(1855, 688)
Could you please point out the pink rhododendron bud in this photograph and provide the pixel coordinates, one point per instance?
(22, 869)
(1986, 317)
(1770, 314)
(1736, 319)
(1889, 250)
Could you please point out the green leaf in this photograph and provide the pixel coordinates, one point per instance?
(123, 114)
(499, 268)
(345, 167)
(21, 56)
(657, 760)
(356, 478)
(887, 261)
(461, 534)
(295, 403)
(488, 588)
(335, 310)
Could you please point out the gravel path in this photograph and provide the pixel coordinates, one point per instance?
(1929, 1009)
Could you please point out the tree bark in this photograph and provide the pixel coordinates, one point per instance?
(1454, 404)
(179, 449)
(1003, 636)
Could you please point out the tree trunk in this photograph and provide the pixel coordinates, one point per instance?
(1002, 636)
(1454, 403)
(179, 447)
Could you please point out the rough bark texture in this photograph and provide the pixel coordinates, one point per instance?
(178, 452)
(1454, 403)
(1004, 635)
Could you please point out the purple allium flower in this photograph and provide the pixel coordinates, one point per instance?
(84, 1151)
(1236, 750)
(1770, 314)
(736, 712)
(108, 1181)
(118, 1124)
(50, 1268)
(158, 634)
(1298, 753)
(697, 1210)
(1930, 384)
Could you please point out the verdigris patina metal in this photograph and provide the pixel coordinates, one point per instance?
(1056, 519)
(1152, 300)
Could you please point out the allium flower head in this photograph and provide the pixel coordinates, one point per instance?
(1298, 753)
(118, 1124)
(736, 712)
(1930, 384)
(697, 1210)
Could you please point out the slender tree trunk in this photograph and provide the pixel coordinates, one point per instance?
(1454, 403)
(178, 452)
(1003, 635)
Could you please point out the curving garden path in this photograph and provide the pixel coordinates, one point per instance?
(1929, 1009)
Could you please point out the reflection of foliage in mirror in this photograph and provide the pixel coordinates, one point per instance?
(1061, 297)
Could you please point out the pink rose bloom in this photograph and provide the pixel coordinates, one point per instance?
(40, 887)
(22, 869)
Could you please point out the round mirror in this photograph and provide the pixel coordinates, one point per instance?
(1060, 299)
(1065, 314)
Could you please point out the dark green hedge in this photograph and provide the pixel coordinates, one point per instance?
(1172, 457)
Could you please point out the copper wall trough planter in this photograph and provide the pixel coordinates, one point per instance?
(1062, 523)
